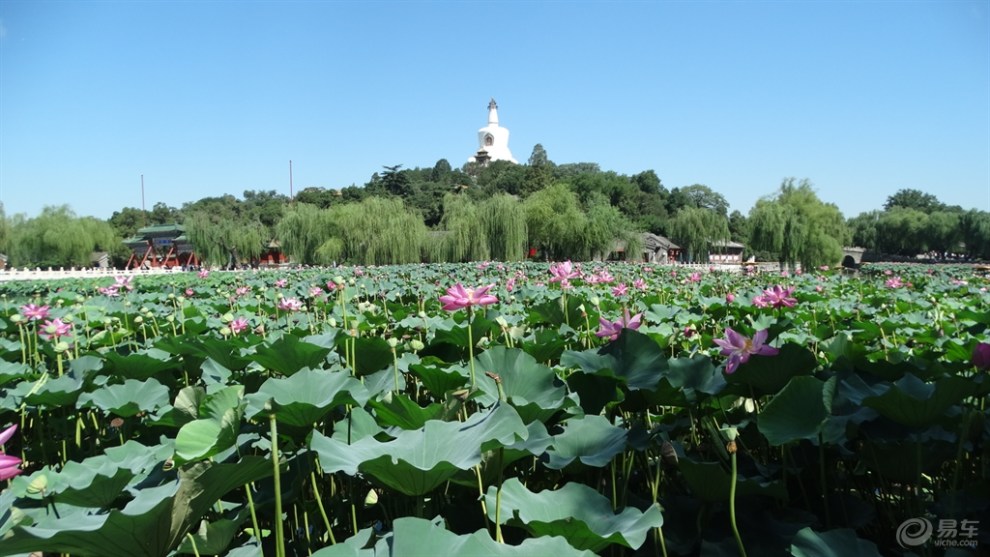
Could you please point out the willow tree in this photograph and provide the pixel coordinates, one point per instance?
(607, 229)
(466, 237)
(220, 241)
(303, 229)
(504, 222)
(696, 229)
(58, 238)
(556, 223)
(798, 226)
(380, 231)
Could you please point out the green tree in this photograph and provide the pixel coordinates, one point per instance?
(220, 241)
(695, 229)
(504, 221)
(798, 226)
(555, 223)
(58, 238)
(128, 220)
(702, 196)
(913, 199)
(974, 228)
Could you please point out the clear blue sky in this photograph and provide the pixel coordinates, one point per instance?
(208, 98)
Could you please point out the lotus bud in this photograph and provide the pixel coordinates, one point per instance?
(225, 331)
(16, 318)
(595, 301)
(501, 322)
(227, 317)
(171, 296)
(392, 342)
(332, 322)
(351, 282)
(416, 345)
(422, 315)
(138, 320)
(170, 318)
(61, 347)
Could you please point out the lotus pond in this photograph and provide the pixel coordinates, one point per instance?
(566, 410)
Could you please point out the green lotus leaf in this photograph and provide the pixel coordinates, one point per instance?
(417, 461)
(306, 396)
(435, 378)
(575, 512)
(833, 543)
(634, 358)
(767, 375)
(532, 388)
(14, 370)
(141, 364)
(798, 411)
(128, 399)
(213, 538)
(544, 345)
(592, 440)
(914, 403)
(400, 411)
(356, 426)
(417, 536)
(216, 431)
(288, 355)
(373, 353)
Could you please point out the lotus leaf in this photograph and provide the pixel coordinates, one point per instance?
(417, 461)
(575, 512)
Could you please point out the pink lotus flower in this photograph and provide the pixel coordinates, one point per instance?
(34, 313)
(895, 282)
(109, 291)
(123, 282)
(280, 283)
(315, 291)
(331, 286)
(566, 285)
(695, 277)
(605, 277)
(510, 284)
(981, 355)
(10, 466)
(739, 348)
(620, 289)
(459, 297)
(6, 434)
(203, 274)
(562, 271)
(639, 284)
(778, 296)
(243, 290)
(54, 329)
(290, 304)
(238, 325)
(730, 297)
(190, 292)
(611, 329)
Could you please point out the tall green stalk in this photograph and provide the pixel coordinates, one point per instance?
(279, 533)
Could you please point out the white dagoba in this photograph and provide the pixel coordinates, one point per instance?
(493, 140)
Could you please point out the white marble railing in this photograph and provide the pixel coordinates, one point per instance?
(61, 273)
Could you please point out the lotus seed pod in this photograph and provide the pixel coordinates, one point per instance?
(225, 331)
(61, 346)
(393, 342)
(16, 318)
(227, 317)
(138, 320)
(416, 344)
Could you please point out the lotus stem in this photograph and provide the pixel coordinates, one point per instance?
(731, 447)
(319, 505)
(254, 514)
(279, 534)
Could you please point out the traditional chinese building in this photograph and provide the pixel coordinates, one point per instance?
(493, 140)
(160, 246)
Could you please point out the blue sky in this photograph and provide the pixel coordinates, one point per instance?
(208, 98)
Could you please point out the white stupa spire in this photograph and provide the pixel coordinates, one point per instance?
(493, 140)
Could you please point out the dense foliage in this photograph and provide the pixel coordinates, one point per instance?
(562, 211)
(494, 409)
